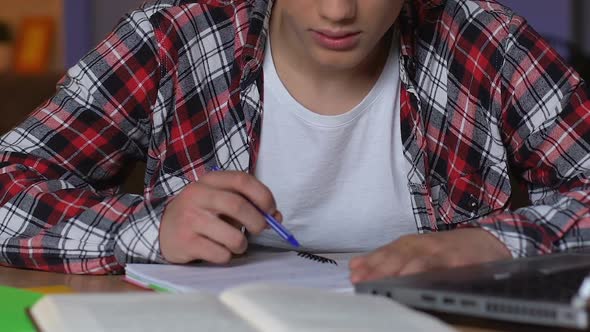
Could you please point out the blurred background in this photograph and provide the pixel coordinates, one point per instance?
(39, 39)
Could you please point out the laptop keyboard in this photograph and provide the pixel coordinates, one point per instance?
(559, 286)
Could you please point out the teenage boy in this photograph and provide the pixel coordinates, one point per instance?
(385, 126)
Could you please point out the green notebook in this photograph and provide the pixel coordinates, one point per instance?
(13, 305)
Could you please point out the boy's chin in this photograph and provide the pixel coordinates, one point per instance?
(338, 61)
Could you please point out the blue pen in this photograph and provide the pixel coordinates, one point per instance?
(272, 222)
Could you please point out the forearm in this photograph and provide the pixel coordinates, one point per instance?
(557, 222)
(545, 129)
(51, 225)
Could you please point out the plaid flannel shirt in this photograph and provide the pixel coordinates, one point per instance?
(178, 84)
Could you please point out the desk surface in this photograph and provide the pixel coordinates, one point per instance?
(27, 278)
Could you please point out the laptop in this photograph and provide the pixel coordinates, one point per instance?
(548, 290)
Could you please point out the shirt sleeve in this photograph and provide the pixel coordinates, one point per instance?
(545, 124)
(60, 170)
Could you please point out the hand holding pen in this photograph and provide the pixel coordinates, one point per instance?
(273, 223)
(202, 222)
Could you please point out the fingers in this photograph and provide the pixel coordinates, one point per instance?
(206, 237)
(422, 264)
(204, 220)
(203, 248)
(184, 242)
(408, 254)
(278, 216)
(234, 206)
(385, 261)
(418, 253)
(243, 184)
(220, 232)
(363, 272)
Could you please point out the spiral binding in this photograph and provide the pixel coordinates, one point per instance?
(316, 258)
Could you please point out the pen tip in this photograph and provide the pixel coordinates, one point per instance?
(293, 242)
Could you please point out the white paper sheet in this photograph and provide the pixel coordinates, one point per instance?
(279, 267)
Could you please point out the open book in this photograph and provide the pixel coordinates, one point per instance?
(248, 308)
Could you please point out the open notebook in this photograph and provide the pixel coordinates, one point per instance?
(287, 268)
(248, 308)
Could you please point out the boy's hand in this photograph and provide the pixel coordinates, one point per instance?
(204, 220)
(417, 253)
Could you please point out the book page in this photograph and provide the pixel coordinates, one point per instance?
(136, 313)
(279, 267)
(273, 308)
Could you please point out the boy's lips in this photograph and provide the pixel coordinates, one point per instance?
(336, 40)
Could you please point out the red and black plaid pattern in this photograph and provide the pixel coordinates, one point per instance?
(178, 84)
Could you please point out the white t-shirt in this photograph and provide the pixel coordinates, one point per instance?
(340, 181)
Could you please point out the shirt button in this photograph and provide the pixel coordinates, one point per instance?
(473, 204)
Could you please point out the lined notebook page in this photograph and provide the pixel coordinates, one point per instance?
(285, 268)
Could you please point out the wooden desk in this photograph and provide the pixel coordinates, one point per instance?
(28, 278)
(79, 283)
